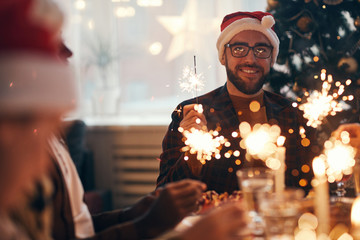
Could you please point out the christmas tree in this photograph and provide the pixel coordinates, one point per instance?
(316, 35)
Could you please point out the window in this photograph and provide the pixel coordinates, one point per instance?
(129, 55)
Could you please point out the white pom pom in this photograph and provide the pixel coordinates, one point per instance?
(267, 21)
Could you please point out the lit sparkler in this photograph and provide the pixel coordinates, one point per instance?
(320, 104)
(339, 157)
(191, 81)
(262, 142)
(205, 144)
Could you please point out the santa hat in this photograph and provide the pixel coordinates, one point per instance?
(240, 21)
(32, 75)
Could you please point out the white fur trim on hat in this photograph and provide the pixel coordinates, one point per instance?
(249, 24)
(31, 82)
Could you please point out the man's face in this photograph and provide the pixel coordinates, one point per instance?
(247, 73)
(23, 152)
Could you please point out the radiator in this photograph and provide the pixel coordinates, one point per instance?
(126, 160)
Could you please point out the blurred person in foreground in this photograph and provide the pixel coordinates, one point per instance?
(247, 47)
(154, 214)
(36, 90)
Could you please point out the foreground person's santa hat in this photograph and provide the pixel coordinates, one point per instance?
(240, 21)
(32, 76)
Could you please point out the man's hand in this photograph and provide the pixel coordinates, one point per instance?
(354, 130)
(175, 201)
(193, 117)
(141, 206)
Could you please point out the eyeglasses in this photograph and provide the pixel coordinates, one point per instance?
(241, 50)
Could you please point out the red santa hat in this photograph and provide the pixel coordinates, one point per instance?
(240, 21)
(32, 74)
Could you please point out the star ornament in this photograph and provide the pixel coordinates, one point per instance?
(187, 30)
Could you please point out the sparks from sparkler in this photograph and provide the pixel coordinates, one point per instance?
(339, 157)
(205, 144)
(319, 104)
(261, 142)
(191, 81)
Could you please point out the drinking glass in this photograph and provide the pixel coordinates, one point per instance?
(255, 183)
(281, 212)
(340, 190)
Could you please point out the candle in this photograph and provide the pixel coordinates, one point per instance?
(280, 173)
(355, 219)
(321, 203)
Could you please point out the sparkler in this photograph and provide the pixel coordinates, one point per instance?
(262, 142)
(205, 144)
(191, 81)
(319, 104)
(339, 157)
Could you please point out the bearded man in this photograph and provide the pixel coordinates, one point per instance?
(248, 48)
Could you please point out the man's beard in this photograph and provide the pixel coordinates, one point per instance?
(241, 85)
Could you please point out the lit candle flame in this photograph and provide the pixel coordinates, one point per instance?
(280, 141)
(319, 167)
(355, 210)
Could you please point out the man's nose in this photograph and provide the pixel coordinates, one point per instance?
(250, 57)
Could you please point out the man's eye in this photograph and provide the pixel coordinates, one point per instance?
(260, 50)
(239, 49)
